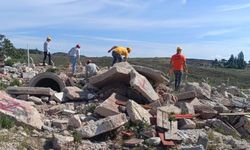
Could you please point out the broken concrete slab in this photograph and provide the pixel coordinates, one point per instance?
(247, 123)
(223, 128)
(30, 91)
(142, 85)
(133, 142)
(62, 142)
(153, 141)
(74, 93)
(103, 125)
(203, 90)
(21, 111)
(203, 140)
(151, 74)
(137, 112)
(109, 106)
(186, 108)
(58, 97)
(170, 109)
(23, 97)
(36, 100)
(186, 124)
(74, 121)
(186, 95)
(118, 73)
(56, 109)
(61, 124)
(206, 112)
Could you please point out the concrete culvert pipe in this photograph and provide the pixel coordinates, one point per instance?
(48, 79)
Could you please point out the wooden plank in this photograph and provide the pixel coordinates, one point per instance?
(235, 114)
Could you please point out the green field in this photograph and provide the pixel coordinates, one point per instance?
(199, 70)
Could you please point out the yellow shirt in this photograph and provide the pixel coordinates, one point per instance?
(122, 51)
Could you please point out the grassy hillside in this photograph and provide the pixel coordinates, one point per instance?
(199, 70)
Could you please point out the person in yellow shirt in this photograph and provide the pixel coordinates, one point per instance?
(118, 52)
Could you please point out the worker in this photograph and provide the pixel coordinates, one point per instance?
(118, 52)
(91, 69)
(46, 50)
(74, 55)
(178, 65)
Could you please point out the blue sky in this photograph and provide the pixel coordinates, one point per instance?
(205, 29)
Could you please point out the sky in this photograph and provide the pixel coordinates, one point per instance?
(205, 29)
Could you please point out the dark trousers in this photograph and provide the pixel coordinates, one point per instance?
(178, 75)
(45, 56)
(116, 57)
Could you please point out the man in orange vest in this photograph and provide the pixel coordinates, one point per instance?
(118, 52)
(178, 65)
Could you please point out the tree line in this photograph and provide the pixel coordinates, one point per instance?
(7, 49)
(233, 62)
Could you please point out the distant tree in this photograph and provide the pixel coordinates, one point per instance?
(7, 48)
(241, 64)
(231, 63)
(215, 63)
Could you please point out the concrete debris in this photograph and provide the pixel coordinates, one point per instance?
(142, 85)
(123, 94)
(74, 93)
(36, 100)
(118, 73)
(30, 91)
(197, 147)
(205, 112)
(186, 95)
(20, 110)
(133, 142)
(203, 90)
(186, 124)
(223, 128)
(103, 125)
(186, 108)
(58, 97)
(62, 142)
(55, 109)
(137, 112)
(152, 75)
(203, 140)
(154, 141)
(61, 124)
(109, 106)
(74, 121)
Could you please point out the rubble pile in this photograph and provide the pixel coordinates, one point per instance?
(127, 107)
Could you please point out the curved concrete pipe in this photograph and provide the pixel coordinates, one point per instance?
(48, 79)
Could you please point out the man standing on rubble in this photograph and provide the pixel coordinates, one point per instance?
(118, 52)
(91, 69)
(74, 55)
(178, 65)
(46, 50)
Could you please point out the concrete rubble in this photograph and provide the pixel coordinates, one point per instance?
(130, 102)
(103, 125)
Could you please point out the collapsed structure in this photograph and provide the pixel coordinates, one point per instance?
(126, 96)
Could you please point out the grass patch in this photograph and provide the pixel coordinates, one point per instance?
(137, 128)
(77, 137)
(3, 86)
(6, 122)
(15, 82)
(90, 108)
(53, 70)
